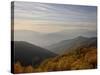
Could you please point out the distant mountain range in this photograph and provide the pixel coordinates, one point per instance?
(29, 54)
(46, 39)
(37, 38)
(73, 54)
(72, 44)
(33, 47)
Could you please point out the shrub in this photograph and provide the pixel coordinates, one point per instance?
(28, 69)
(18, 68)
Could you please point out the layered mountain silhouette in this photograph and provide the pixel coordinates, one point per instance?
(29, 54)
(72, 44)
(40, 39)
(72, 54)
(46, 39)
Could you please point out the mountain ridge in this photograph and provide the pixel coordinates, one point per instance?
(67, 45)
(29, 54)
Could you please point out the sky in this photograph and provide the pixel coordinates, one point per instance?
(51, 18)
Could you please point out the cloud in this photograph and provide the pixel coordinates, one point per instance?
(44, 17)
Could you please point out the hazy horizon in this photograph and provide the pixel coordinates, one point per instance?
(51, 23)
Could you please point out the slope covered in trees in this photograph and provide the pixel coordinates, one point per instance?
(29, 54)
(81, 58)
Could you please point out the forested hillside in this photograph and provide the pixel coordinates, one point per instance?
(81, 58)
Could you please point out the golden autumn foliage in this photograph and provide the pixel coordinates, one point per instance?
(28, 69)
(91, 57)
(80, 64)
(82, 58)
(18, 68)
